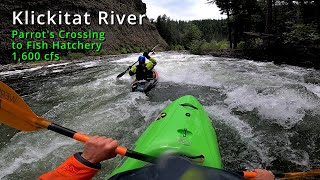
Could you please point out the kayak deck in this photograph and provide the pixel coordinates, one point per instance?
(182, 128)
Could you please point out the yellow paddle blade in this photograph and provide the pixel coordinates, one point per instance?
(299, 175)
(14, 112)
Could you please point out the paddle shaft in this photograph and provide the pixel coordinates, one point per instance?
(15, 113)
(123, 73)
(132, 65)
(152, 50)
(143, 157)
(83, 138)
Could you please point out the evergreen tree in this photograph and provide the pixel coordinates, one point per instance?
(183, 33)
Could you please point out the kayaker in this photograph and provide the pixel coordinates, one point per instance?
(81, 166)
(143, 70)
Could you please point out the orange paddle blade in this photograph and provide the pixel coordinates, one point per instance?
(14, 112)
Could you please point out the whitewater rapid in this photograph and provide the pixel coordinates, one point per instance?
(266, 115)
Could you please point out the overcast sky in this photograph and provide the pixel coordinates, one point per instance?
(182, 10)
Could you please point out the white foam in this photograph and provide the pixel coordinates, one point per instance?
(88, 64)
(299, 157)
(20, 71)
(118, 111)
(56, 71)
(246, 133)
(92, 106)
(129, 59)
(314, 89)
(56, 65)
(151, 110)
(285, 106)
(30, 150)
(222, 114)
(186, 73)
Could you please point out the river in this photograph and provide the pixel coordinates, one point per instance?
(265, 115)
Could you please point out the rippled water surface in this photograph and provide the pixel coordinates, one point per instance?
(265, 115)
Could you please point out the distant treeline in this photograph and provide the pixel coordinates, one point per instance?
(283, 31)
(182, 34)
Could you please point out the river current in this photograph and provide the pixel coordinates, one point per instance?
(265, 115)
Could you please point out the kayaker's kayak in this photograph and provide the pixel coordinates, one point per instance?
(145, 85)
(182, 127)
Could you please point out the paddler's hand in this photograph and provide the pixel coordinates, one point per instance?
(99, 148)
(263, 174)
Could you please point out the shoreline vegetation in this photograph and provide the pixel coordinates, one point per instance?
(277, 57)
(279, 31)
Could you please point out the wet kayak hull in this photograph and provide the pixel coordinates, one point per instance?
(182, 128)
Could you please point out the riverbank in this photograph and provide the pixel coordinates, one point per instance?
(309, 60)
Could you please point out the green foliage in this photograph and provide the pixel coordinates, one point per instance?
(273, 29)
(198, 47)
(212, 29)
(72, 56)
(113, 52)
(136, 49)
(240, 15)
(177, 47)
(241, 45)
(191, 33)
(180, 34)
(301, 35)
(127, 49)
(283, 28)
(256, 43)
(100, 53)
(223, 44)
(123, 50)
